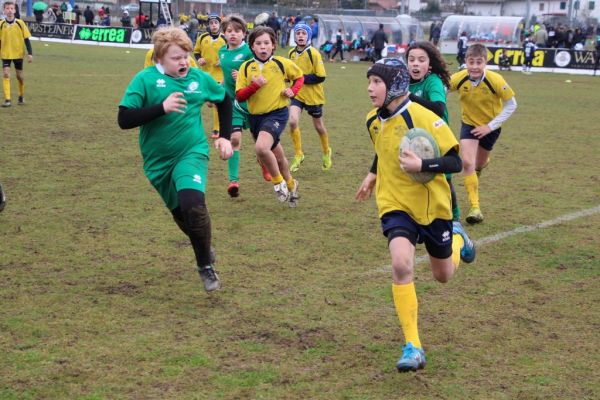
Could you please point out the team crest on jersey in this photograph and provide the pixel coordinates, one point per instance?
(419, 93)
(160, 83)
(192, 87)
(238, 57)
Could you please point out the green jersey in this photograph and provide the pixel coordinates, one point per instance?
(431, 88)
(231, 60)
(169, 138)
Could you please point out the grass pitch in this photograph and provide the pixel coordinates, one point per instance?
(99, 298)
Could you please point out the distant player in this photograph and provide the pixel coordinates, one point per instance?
(486, 102)
(311, 97)
(165, 102)
(14, 39)
(411, 212)
(262, 82)
(231, 57)
(206, 52)
(2, 198)
(461, 47)
(528, 51)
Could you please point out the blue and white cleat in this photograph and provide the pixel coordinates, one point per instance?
(413, 358)
(467, 252)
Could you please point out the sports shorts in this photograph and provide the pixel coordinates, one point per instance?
(272, 122)
(487, 142)
(437, 236)
(18, 63)
(313, 111)
(240, 116)
(189, 172)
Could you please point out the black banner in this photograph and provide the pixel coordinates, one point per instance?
(142, 36)
(545, 58)
(106, 34)
(56, 31)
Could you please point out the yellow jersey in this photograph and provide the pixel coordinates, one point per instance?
(482, 103)
(276, 71)
(149, 60)
(395, 190)
(310, 62)
(208, 47)
(12, 39)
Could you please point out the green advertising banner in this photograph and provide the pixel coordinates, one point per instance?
(104, 34)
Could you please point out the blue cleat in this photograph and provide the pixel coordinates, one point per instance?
(413, 358)
(467, 252)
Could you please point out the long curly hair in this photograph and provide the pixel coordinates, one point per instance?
(436, 60)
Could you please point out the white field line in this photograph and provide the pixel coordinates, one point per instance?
(502, 235)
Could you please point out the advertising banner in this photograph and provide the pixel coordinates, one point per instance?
(545, 58)
(55, 31)
(102, 34)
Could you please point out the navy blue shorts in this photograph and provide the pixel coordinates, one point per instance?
(437, 236)
(488, 140)
(18, 63)
(313, 111)
(273, 122)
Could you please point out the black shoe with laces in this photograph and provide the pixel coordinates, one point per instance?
(209, 278)
(21, 101)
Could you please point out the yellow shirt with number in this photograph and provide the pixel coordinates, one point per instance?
(482, 103)
(276, 71)
(395, 190)
(208, 47)
(12, 39)
(310, 62)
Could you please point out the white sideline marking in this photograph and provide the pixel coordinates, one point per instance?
(521, 229)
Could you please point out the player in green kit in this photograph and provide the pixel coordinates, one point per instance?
(165, 101)
(231, 57)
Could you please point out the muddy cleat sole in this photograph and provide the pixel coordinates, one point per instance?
(295, 165)
(413, 358)
(475, 216)
(210, 278)
(233, 189)
(294, 196)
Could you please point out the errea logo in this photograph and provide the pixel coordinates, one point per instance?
(160, 83)
(445, 236)
(193, 86)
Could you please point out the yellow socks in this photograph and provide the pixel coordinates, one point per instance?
(457, 244)
(472, 187)
(291, 184)
(276, 180)
(324, 143)
(21, 89)
(6, 88)
(215, 119)
(407, 307)
(297, 141)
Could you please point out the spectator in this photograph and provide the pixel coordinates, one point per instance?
(339, 46)
(126, 19)
(274, 24)
(77, 13)
(193, 28)
(161, 21)
(88, 15)
(59, 17)
(314, 26)
(140, 20)
(63, 7)
(39, 16)
(379, 41)
(540, 37)
(436, 31)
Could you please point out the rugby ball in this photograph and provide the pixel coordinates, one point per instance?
(261, 19)
(420, 142)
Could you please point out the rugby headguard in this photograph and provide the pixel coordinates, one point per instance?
(395, 75)
(305, 28)
(214, 16)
